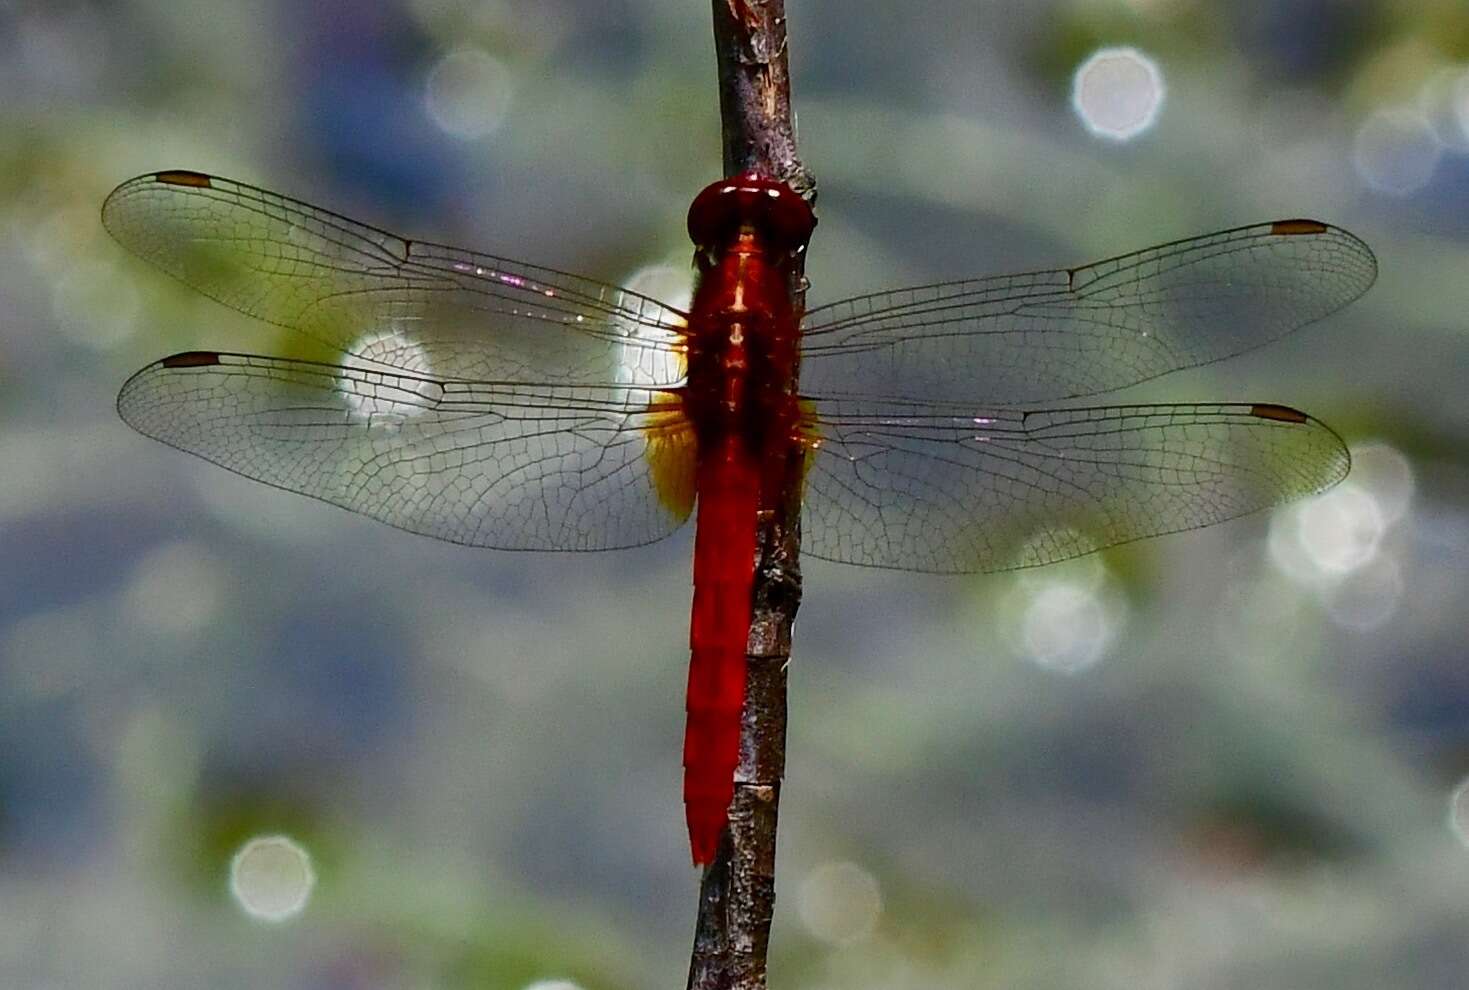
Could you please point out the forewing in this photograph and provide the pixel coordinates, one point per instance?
(491, 464)
(1082, 331)
(948, 488)
(419, 307)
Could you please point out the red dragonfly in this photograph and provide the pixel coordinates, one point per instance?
(494, 403)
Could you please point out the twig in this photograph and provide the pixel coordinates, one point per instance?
(737, 896)
(755, 92)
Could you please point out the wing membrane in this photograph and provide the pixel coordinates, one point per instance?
(947, 488)
(493, 403)
(420, 307)
(1076, 332)
(492, 464)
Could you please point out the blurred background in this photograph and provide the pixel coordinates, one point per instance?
(250, 740)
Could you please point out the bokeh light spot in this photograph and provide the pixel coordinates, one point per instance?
(389, 349)
(839, 903)
(469, 92)
(1341, 531)
(271, 878)
(1064, 628)
(1444, 101)
(1325, 538)
(397, 398)
(553, 985)
(1459, 812)
(177, 589)
(1459, 102)
(1396, 151)
(1117, 93)
(1382, 469)
(642, 365)
(672, 284)
(1065, 617)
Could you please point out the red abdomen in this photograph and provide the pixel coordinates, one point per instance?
(724, 572)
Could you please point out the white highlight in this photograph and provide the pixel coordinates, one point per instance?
(671, 285)
(1333, 544)
(1064, 628)
(1444, 103)
(1396, 151)
(1383, 470)
(1327, 537)
(177, 589)
(839, 903)
(271, 878)
(1459, 102)
(1341, 530)
(1065, 617)
(1117, 93)
(395, 399)
(1323, 539)
(553, 985)
(468, 93)
(1458, 818)
(389, 348)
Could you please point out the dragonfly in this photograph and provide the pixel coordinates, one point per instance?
(949, 428)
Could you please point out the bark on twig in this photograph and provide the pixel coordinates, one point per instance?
(737, 895)
(755, 92)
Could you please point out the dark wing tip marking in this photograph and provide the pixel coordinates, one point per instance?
(1282, 414)
(183, 177)
(190, 359)
(1290, 227)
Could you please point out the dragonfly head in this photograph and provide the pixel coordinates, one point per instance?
(751, 200)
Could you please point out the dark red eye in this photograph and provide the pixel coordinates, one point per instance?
(751, 198)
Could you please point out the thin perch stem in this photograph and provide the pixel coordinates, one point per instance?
(755, 92)
(737, 895)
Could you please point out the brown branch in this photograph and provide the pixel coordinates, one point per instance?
(755, 92)
(737, 896)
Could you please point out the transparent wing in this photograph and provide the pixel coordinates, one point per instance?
(947, 488)
(491, 464)
(420, 307)
(1082, 331)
